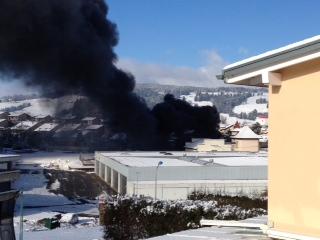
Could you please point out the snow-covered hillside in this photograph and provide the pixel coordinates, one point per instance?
(191, 98)
(40, 106)
(251, 104)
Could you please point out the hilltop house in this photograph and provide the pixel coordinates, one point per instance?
(292, 74)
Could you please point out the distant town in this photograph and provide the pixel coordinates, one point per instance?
(31, 122)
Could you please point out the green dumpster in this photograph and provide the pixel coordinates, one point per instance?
(51, 223)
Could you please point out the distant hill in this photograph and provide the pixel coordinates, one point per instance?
(224, 98)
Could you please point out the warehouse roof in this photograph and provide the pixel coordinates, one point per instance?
(178, 154)
(238, 161)
(152, 162)
(151, 159)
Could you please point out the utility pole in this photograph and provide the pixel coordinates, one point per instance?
(21, 217)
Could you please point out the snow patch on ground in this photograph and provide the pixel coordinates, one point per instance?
(35, 192)
(55, 185)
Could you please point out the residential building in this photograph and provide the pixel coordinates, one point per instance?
(292, 75)
(7, 195)
(43, 118)
(245, 140)
(16, 117)
(47, 128)
(25, 126)
(90, 121)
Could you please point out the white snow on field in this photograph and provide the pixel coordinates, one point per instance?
(39, 203)
(35, 192)
(251, 105)
(232, 120)
(247, 108)
(55, 159)
(191, 99)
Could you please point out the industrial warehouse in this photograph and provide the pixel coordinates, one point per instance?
(175, 175)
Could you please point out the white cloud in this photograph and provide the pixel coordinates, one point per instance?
(204, 76)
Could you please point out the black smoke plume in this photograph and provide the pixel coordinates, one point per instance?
(66, 46)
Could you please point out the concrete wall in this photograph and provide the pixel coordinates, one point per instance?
(246, 145)
(181, 190)
(294, 163)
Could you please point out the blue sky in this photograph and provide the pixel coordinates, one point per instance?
(176, 32)
(187, 42)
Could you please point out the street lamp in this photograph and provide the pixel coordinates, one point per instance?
(137, 184)
(156, 180)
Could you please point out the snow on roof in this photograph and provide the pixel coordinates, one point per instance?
(152, 162)
(3, 120)
(220, 233)
(89, 118)
(94, 127)
(240, 161)
(41, 115)
(178, 154)
(196, 142)
(246, 133)
(46, 127)
(273, 52)
(17, 114)
(24, 125)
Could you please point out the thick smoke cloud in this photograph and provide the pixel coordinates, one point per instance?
(66, 46)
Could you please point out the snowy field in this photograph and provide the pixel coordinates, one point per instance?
(61, 160)
(251, 105)
(232, 120)
(191, 99)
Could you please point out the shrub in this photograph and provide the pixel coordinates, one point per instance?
(138, 218)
